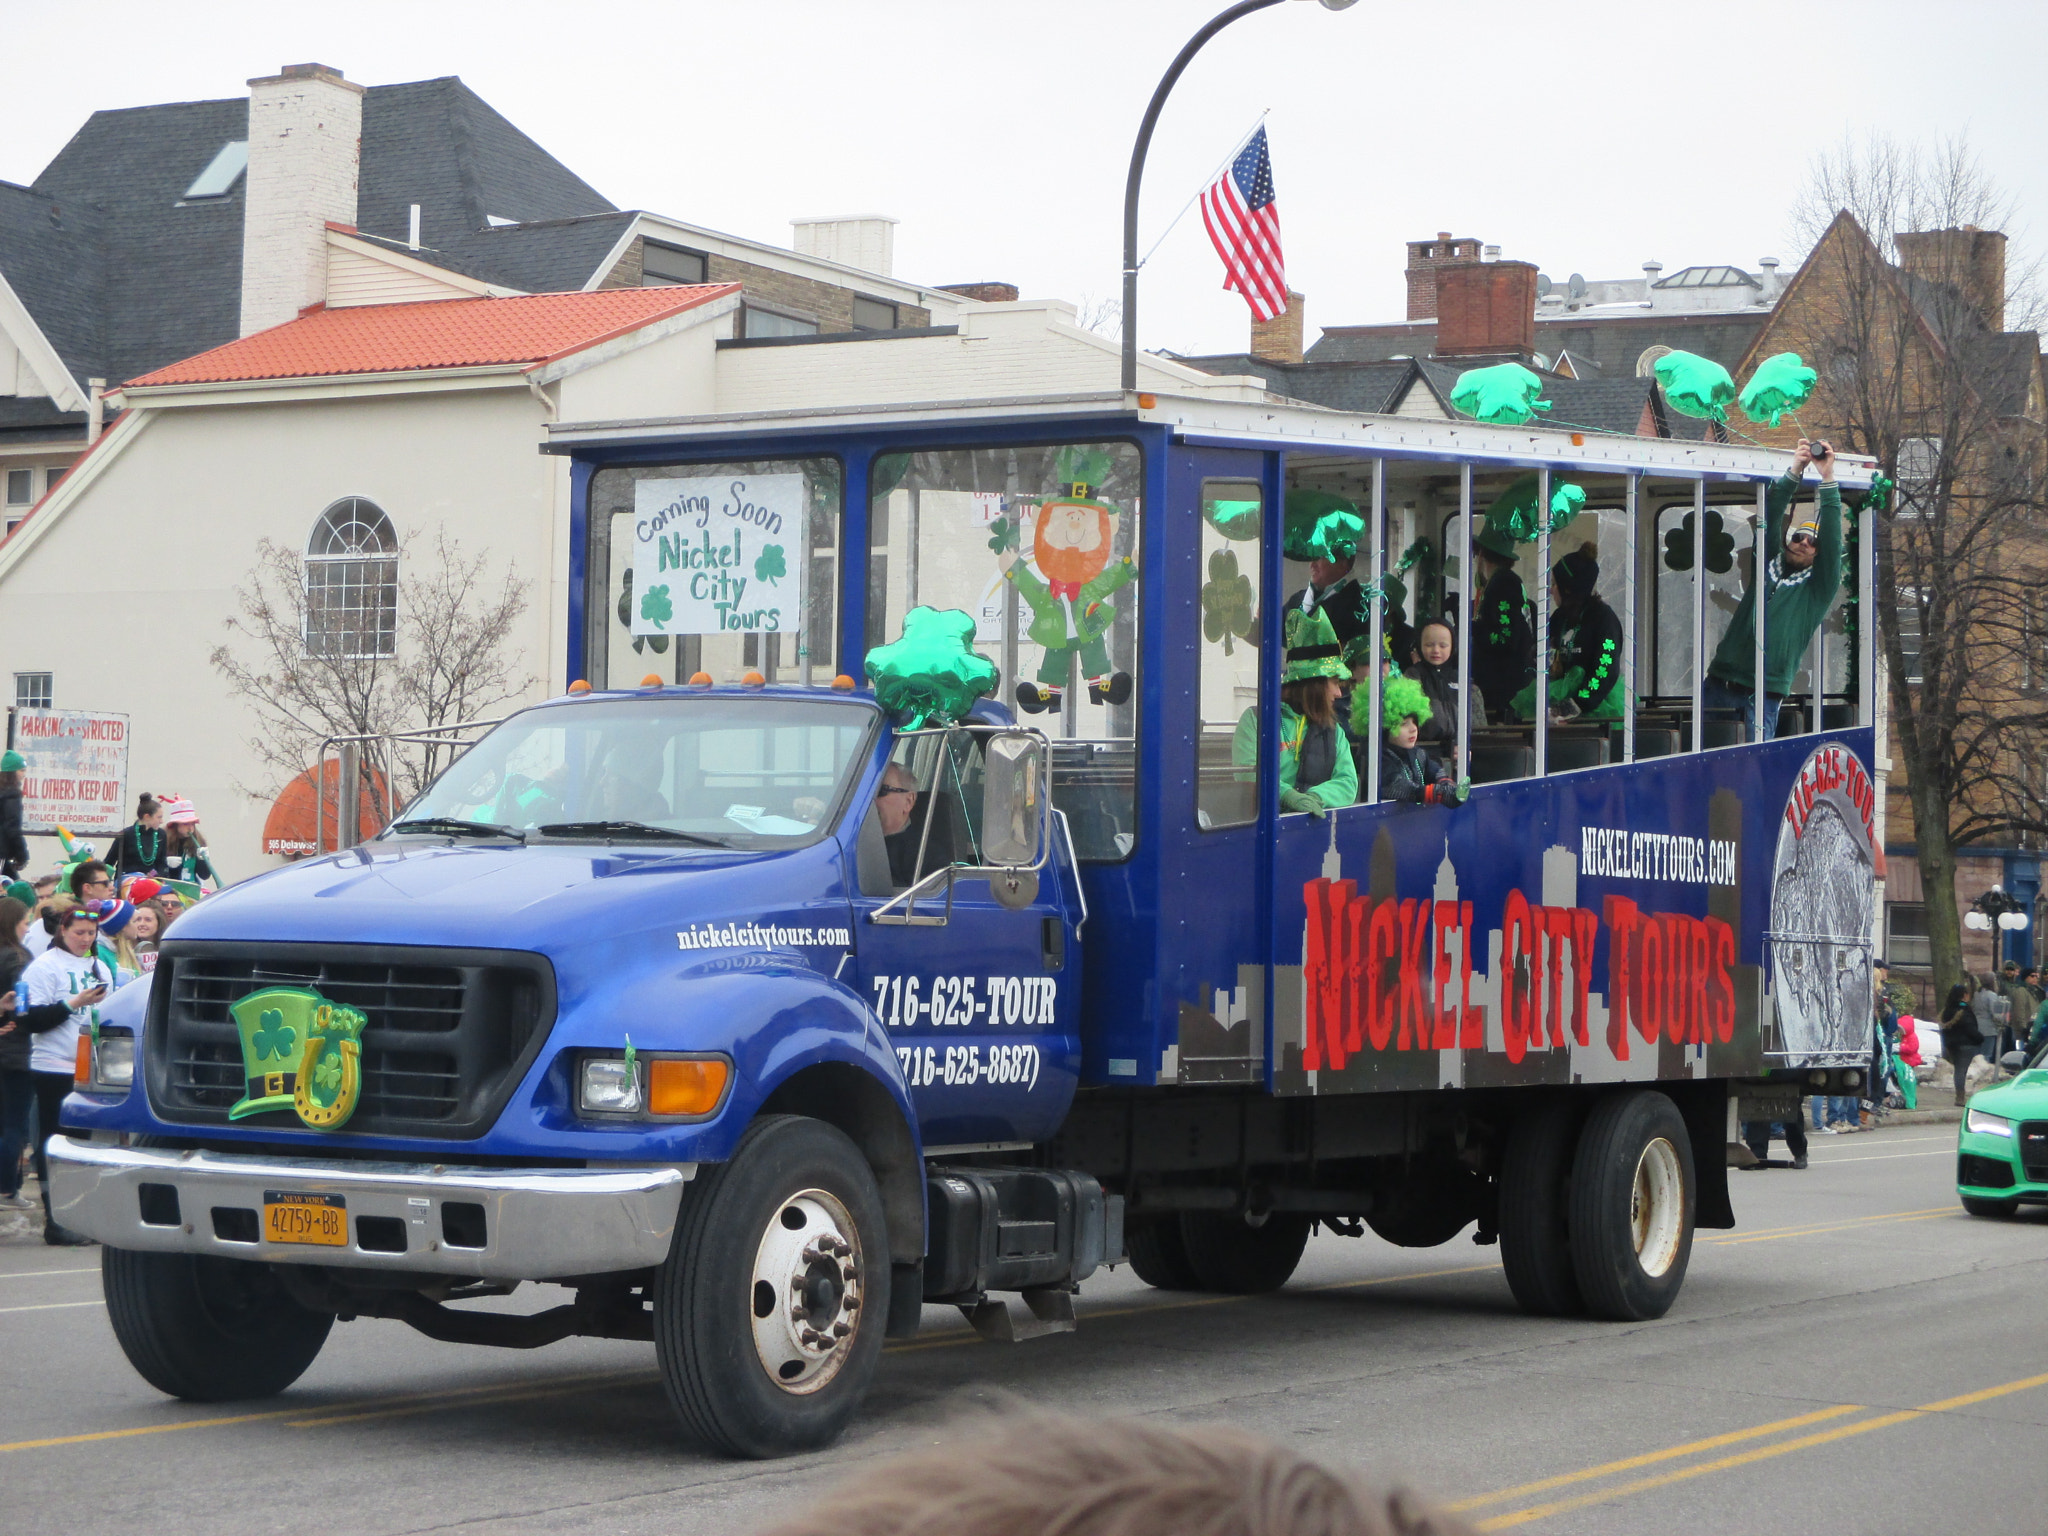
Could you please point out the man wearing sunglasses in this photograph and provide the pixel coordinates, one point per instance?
(1800, 581)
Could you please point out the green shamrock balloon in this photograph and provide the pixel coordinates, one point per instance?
(1226, 601)
(1780, 386)
(1504, 394)
(1237, 520)
(1720, 545)
(931, 674)
(768, 568)
(1320, 525)
(655, 606)
(1514, 511)
(1695, 385)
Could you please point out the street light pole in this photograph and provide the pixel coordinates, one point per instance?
(1137, 172)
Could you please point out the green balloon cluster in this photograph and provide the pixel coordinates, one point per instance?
(1695, 385)
(1504, 395)
(931, 674)
(1513, 514)
(1781, 385)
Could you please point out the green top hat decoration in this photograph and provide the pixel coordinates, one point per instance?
(299, 1052)
(1312, 649)
(1320, 525)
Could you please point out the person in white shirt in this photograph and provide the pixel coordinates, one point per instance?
(59, 994)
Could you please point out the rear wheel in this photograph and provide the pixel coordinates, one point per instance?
(769, 1312)
(1631, 1208)
(1159, 1257)
(1977, 1205)
(1230, 1255)
(1535, 1194)
(209, 1330)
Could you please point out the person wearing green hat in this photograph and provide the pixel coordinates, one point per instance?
(1585, 647)
(1409, 774)
(1503, 639)
(1321, 530)
(13, 846)
(1316, 771)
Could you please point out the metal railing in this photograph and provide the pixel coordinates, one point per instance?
(370, 763)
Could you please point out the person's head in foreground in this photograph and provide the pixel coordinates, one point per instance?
(1049, 1476)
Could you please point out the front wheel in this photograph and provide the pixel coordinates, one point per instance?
(208, 1330)
(769, 1312)
(1631, 1211)
(1977, 1205)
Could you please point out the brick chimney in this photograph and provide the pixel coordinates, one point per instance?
(1424, 258)
(1278, 340)
(1486, 309)
(1969, 259)
(305, 148)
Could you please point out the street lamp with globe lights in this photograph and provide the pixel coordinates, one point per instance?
(1137, 172)
(1996, 909)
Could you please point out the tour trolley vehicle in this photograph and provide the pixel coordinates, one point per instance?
(908, 905)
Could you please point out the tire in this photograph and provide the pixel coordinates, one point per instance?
(1159, 1257)
(1977, 1205)
(1230, 1256)
(209, 1330)
(1632, 1204)
(1535, 1196)
(745, 1374)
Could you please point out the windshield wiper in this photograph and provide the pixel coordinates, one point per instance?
(455, 827)
(633, 829)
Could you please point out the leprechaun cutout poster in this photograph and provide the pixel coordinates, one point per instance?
(1072, 549)
(717, 555)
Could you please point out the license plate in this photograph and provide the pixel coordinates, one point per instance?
(289, 1217)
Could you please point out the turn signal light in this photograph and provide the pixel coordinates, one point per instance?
(81, 1070)
(686, 1087)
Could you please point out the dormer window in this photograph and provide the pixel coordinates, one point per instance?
(221, 173)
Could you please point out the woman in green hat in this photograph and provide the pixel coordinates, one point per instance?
(13, 846)
(1316, 771)
(1503, 640)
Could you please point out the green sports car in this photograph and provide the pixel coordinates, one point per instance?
(2002, 1148)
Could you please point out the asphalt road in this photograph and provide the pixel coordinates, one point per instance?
(1859, 1357)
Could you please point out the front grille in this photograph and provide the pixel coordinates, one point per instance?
(1976, 1172)
(447, 1032)
(2033, 1137)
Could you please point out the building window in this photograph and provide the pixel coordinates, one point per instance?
(32, 690)
(52, 475)
(1906, 942)
(664, 265)
(352, 582)
(1919, 467)
(1907, 615)
(756, 322)
(873, 315)
(21, 487)
(221, 173)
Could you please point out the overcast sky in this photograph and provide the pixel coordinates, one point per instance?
(1589, 137)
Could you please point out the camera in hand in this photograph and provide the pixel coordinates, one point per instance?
(1821, 451)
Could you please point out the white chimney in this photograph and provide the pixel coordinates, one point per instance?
(866, 241)
(305, 149)
(1771, 279)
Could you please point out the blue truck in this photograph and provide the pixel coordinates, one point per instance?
(759, 1015)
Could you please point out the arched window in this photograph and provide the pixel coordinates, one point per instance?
(352, 582)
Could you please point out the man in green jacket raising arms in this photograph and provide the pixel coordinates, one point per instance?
(1799, 585)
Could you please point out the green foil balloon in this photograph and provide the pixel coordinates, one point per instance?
(1514, 512)
(932, 674)
(1695, 385)
(1780, 386)
(1504, 394)
(1321, 525)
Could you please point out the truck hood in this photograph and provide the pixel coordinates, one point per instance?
(541, 896)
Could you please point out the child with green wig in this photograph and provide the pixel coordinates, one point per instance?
(1408, 774)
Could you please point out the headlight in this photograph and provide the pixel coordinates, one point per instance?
(611, 1085)
(1982, 1124)
(116, 1061)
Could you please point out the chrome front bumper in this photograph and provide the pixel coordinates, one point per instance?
(536, 1224)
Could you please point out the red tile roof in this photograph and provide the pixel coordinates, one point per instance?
(438, 333)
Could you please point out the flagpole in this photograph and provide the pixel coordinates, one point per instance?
(1167, 82)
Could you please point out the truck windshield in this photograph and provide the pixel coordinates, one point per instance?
(729, 772)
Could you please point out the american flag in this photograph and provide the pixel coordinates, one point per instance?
(1244, 226)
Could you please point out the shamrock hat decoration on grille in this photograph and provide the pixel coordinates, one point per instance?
(299, 1052)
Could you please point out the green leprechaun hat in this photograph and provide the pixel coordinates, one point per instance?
(293, 1055)
(1081, 472)
(1312, 649)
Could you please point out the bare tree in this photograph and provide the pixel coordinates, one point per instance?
(1102, 314)
(1904, 314)
(308, 671)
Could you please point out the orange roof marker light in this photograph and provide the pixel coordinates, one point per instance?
(843, 683)
(700, 679)
(651, 680)
(754, 680)
(1147, 402)
(581, 685)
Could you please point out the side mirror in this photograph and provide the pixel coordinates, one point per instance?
(2013, 1061)
(1012, 796)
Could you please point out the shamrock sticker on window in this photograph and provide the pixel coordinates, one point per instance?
(273, 1037)
(1678, 544)
(642, 643)
(655, 606)
(769, 567)
(1226, 601)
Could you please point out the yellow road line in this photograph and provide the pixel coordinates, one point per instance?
(53, 1306)
(1761, 1453)
(1876, 1157)
(512, 1392)
(1736, 1242)
(1650, 1458)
